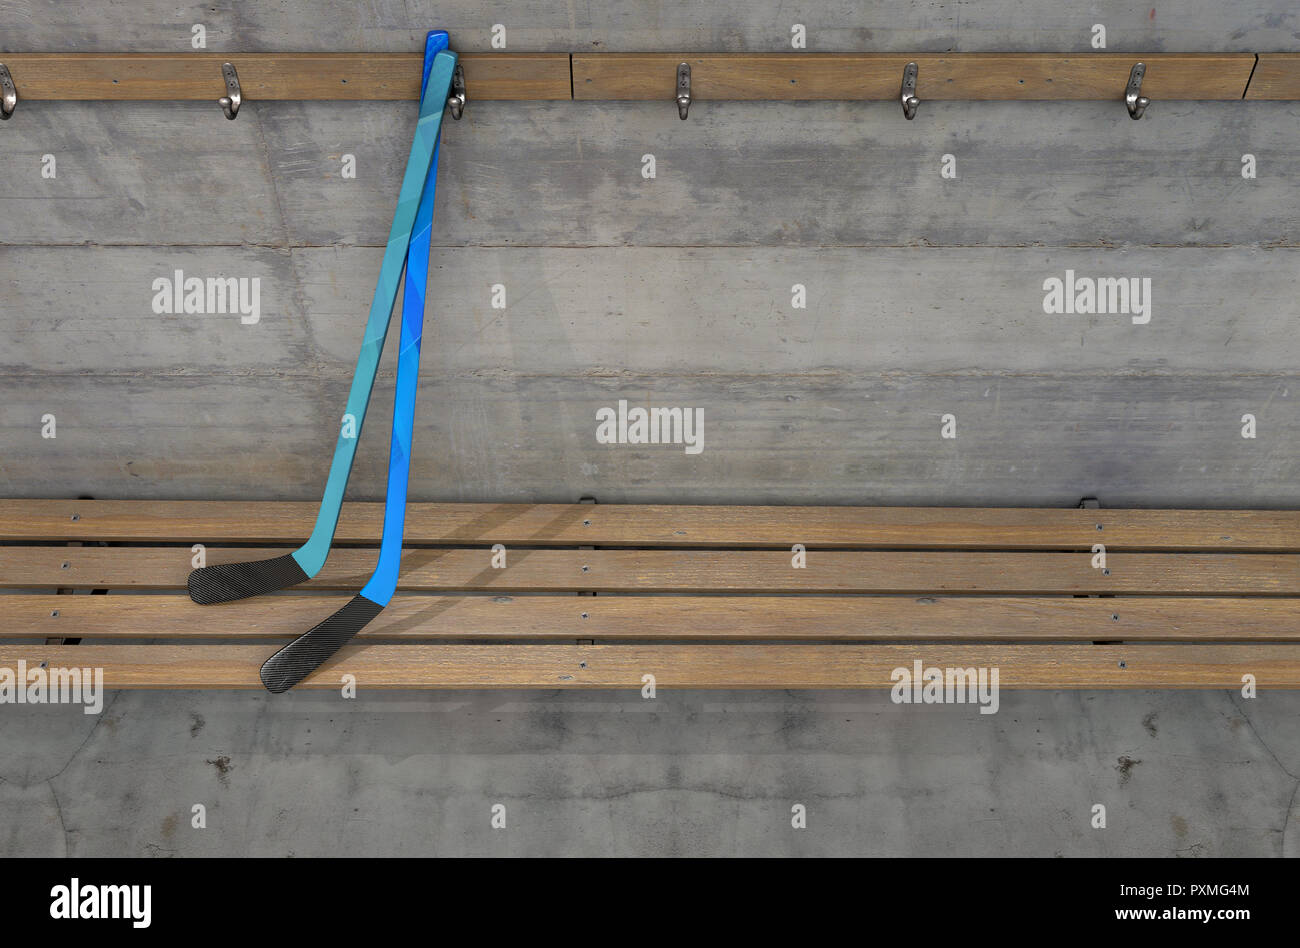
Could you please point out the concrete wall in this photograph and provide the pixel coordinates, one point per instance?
(925, 296)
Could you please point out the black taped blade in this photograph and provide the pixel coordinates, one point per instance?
(311, 650)
(231, 581)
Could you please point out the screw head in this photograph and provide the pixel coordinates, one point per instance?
(65, 566)
(586, 569)
(76, 517)
(584, 615)
(54, 614)
(1123, 664)
(1114, 617)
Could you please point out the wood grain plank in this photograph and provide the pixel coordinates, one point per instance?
(986, 528)
(953, 76)
(694, 571)
(644, 76)
(682, 666)
(668, 618)
(277, 76)
(1276, 76)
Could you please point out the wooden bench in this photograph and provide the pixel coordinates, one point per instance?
(698, 597)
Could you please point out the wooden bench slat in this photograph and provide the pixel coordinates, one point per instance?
(695, 571)
(662, 525)
(416, 617)
(857, 76)
(682, 666)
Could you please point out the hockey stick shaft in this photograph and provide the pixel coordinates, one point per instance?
(383, 583)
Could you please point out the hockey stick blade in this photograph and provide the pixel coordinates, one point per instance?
(312, 649)
(230, 581)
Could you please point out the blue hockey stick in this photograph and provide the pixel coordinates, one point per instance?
(230, 581)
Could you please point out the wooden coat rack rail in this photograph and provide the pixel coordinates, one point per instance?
(652, 76)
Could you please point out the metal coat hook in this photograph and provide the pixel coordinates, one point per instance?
(8, 93)
(231, 101)
(1133, 98)
(907, 95)
(683, 90)
(456, 101)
